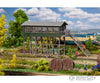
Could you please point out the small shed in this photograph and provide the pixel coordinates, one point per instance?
(43, 29)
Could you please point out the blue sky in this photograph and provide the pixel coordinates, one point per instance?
(77, 18)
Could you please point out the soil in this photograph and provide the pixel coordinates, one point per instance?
(80, 55)
(19, 73)
(22, 51)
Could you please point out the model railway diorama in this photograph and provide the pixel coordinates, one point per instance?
(46, 48)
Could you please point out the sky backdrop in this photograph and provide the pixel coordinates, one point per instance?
(76, 17)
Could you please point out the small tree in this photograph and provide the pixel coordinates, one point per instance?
(2, 29)
(15, 29)
(89, 44)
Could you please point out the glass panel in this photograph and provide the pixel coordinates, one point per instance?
(29, 29)
(50, 29)
(36, 29)
(56, 29)
(44, 29)
(26, 29)
(39, 29)
(33, 29)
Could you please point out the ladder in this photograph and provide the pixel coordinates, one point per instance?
(78, 43)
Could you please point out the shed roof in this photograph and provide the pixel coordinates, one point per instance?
(33, 23)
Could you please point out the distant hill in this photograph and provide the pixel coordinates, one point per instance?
(87, 31)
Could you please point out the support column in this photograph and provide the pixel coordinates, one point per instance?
(47, 48)
(41, 45)
(24, 44)
(35, 44)
(64, 46)
(30, 44)
(53, 45)
(59, 45)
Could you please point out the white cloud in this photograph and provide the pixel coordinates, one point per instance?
(2, 11)
(77, 13)
(45, 14)
(32, 11)
(42, 14)
(23, 9)
(94, 20)
(70, 22)
(79, 22)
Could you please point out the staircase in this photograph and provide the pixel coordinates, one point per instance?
(78, 43)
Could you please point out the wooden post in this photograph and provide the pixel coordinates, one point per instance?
(53, 45)
(24, 44)
(47, 48)
(35, 44)
(64, 46)
(41, 45)
(23, 41)
(59, 45)
(30, 44)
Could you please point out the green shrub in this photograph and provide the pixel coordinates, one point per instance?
(89, 45)
(73, 58)
(27, 46)
(16, 67)
(89, 66)
(20, 67)
(92, 72)
(1, 61)
(41, 65)
(1, 73)
(61, 57)
(70, 52)
(78, 66)
(98, 52)
(97, 73)
(21, 61)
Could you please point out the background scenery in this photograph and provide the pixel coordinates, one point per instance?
(77, 18)
(28, 47)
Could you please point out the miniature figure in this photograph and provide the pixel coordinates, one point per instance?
(85, 65)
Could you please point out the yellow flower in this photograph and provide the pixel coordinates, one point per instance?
(2, 29)
(0, 67)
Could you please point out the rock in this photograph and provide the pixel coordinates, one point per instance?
(68, 64)
(56, 64)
